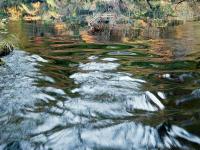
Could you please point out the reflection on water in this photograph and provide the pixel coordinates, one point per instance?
(65, 94)
(17, 91)
(107, 86)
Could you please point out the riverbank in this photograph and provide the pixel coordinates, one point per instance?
(138, 14)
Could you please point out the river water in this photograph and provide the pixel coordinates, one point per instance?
(65, 89)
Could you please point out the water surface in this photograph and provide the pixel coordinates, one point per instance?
(70, 90)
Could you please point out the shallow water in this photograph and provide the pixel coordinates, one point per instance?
(60, 92)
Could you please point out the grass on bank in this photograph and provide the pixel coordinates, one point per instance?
(8, 44)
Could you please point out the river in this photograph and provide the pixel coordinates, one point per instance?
(65, 89)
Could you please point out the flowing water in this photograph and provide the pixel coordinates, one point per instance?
(122, 91)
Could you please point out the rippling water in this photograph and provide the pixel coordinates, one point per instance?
(60, 92)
